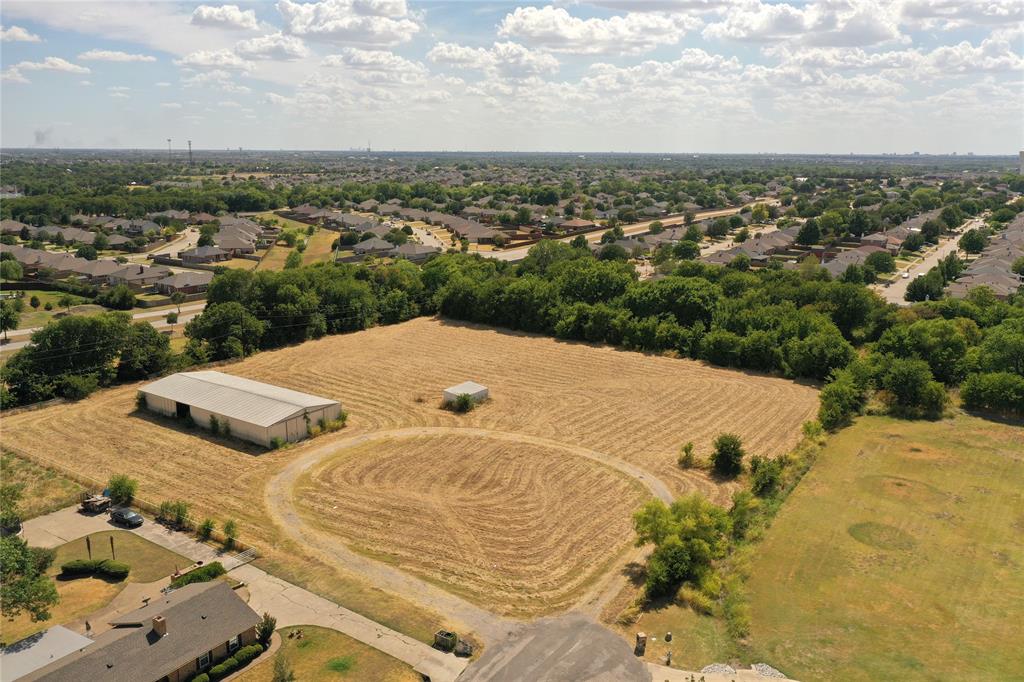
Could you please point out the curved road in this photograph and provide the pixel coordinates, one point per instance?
(278, 496)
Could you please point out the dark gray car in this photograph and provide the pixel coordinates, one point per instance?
(126, 517)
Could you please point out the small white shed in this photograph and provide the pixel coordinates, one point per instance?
(474, 390)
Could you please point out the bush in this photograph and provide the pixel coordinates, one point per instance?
(114, 569)
(203, 574)
(686, 459)
(48, 306)
(997, 391)
(276, 443)
(205, 529)
(122, 489)
(463, 403)
(224, 668)
(247, 653)
(201, 677)
(265, 628)
(765, 475)
(230, 533)
(727, 459)
(78, 387)
(79, 567)
(118, 298)
(695, 599)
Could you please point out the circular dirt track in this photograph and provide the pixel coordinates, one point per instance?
(518, 525)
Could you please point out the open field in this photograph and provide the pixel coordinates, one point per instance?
(488, 518)
(43, 490)
(81, 596)
(324, 655)
(274, 258)
(899, 556)
(629, 406)
(318, 248)
(282, 222)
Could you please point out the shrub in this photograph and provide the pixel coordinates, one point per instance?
(114, 569)
(765, 475)
(727, 459)
(230, 533)
(122, 489)
(247, 653)
(686, 459)
(203, 574)
(205, 529)
(118, 298)
(172, 317)
(201, 677)
(224, 668)
(997, 391)
(48, 306)
(79, 567)
(78, 387)
(695, 599)
(265, 628)
(140, 401)
(276, 443)
(463, 403)
(214, 425)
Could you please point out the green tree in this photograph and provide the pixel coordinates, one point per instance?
(24, 585)
(66, 301)
(973, 241)
(177, 298)
(86, 251)
(727, 457)
(230, 533)
(283, 671)
(9, 317)
(122, 489)
(11, 270)
(120, 297)
(10, 501)
(809, 233)
(34, 302)
(265, 629)
(146, 352)
(881, 261)
(225, 330)
(294, 260)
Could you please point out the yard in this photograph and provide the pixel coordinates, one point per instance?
(318, 249)
(275, 258)
(81, 596)
(555, 402)
(322, 655)
(38, 317)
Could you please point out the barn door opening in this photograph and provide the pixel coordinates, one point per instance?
(182, 410)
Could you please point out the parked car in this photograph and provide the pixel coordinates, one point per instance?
(126, 517)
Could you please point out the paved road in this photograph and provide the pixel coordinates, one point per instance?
(628, 230)
(186, 240)
(894, 292)
(290, 604)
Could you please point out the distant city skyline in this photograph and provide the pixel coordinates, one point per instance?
(644, 76)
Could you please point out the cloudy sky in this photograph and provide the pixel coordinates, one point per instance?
(833, 76)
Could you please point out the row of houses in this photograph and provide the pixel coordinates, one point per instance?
(462, 228)
(994, 266)
(758, 249)
(70, 235)
(107, 272)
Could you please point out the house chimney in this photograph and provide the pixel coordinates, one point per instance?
(160, 626)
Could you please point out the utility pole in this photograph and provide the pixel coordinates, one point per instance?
(190, 153)
(168, 150)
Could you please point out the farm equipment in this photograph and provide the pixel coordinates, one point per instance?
(94, 504)
(450, 642)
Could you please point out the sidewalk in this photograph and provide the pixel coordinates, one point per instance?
(290, 604)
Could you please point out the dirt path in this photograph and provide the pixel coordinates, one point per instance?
(279, 501)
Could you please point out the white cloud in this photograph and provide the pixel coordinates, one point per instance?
(118, 88)
(215, 79)
(275, 46)
(120, 95)
(17, 34)
(379, 23)
(226, 16)
(114, 56)
(14, 73)
(208, 59)
(162, 84)
(554, 29)
(170, 105)
(954, 14)
(85, 83)
(830, 23)
(377, 67)
(505, 59)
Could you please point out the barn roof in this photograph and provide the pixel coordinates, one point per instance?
(231, 396)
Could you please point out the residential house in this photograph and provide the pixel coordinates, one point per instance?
(185, 283)
(414, 252)
(374, 245)
(138, 277)
(171, 639)
(204, 254)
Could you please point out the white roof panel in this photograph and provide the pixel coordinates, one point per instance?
(231, 396)
(470, 387)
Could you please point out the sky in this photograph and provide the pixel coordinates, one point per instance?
(669, 76)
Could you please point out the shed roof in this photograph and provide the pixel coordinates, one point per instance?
(470, 387)
(231, 396)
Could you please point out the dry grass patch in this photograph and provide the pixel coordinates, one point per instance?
(318, 249)
(43, 490)
(490, 519)
(635, 407)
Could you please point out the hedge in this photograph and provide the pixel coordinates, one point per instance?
(224, 668)
(201, 677)
(200, 575)
(103, 567)
(247, 653)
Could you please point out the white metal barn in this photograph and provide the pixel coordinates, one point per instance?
(254, 411)
(475, 391)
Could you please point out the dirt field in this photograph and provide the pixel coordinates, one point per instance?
(318, 249)
(634, 407)
(489, 518)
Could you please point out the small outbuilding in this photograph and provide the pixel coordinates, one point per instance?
(474, 390)
(248, 409)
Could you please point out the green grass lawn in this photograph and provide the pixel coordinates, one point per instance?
(81, 596)
(899, 557)
(323, 655)
(43, 490)
(38, 317)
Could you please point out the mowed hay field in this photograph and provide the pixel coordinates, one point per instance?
(634, 407)
(520, 527)
(899, 557)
